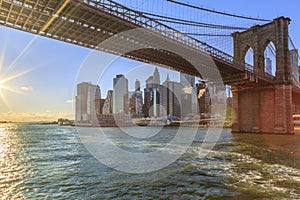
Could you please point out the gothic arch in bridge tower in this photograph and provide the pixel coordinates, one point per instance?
(258, 38)
(249, 58)
(270, 57)
(259, 107)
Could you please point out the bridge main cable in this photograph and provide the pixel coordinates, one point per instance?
(191, 23)
(218, 12)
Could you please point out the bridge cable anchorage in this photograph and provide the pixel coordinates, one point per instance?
(191, 23)
(218, 12)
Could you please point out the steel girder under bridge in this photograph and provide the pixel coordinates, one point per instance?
(89, 23)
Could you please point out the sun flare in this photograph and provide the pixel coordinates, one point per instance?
(4, 82)
(9, 74)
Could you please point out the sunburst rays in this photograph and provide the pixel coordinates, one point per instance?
(7, 75)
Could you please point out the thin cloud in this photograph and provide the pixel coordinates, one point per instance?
(70, 101)
(26, 88)
(33, 117)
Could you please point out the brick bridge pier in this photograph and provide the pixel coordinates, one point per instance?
(265, 109)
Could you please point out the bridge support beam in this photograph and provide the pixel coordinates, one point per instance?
(267, 110)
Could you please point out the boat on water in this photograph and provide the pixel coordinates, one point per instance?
(65, 122)
(161, 121)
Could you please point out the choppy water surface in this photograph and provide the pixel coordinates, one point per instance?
(50, 162)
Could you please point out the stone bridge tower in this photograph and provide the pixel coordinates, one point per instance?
(264, 109)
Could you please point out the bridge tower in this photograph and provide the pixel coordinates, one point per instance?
(264, 108)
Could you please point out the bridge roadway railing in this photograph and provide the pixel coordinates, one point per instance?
(141, 20)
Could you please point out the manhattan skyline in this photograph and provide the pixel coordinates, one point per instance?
(40, 72)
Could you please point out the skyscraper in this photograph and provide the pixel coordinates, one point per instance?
(148, 100)
(120, 94)
(204, 98)
(108, 104)
(187, 82)
(86, 103)
(170, 97)
(156, 78)
(149, 82)
(151, 95)
(137, 85)
(135, 99)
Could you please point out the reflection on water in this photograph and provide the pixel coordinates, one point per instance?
(49, 162)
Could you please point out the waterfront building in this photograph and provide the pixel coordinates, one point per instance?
(187, 81)
(156, 78)
(135, 105)
(99, 105)
(151, 95)
(204, 98)
(163, 100)
(151, 102)
(195, 103)
(170, 97)
(137, 85)
(218, 98)
(149, 82)
(120, 94)
(111, 120)
(147, 101)
(86, 100)
(108, 103)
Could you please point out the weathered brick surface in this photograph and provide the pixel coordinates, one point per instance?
(265, 111)
(258, 38)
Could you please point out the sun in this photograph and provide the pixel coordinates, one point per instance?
(4, 86)
(9, 74)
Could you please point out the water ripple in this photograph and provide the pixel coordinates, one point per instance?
(49, 162)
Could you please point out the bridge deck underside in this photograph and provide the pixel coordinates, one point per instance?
(81, 24)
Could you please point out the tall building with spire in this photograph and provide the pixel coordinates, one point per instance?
(156, 78)
(151, 95)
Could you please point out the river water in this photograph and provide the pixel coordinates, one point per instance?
(50, 162)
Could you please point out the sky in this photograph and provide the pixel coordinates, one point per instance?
(38, 75)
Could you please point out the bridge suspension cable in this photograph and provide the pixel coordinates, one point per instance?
(206, 25)
(203, 34)
(293, 46)
(191, 23)
(218, 12)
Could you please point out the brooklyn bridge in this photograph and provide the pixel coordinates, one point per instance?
(263, 101)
